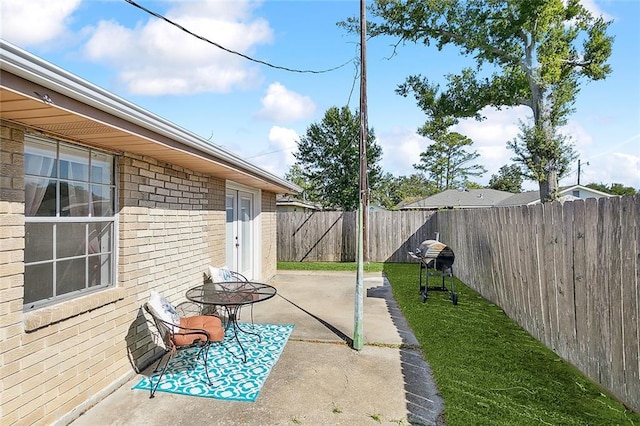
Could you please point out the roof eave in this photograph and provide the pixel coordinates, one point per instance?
(25, 65)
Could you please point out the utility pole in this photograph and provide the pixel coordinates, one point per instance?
(358, 333)
(364, 129)
(580, 170)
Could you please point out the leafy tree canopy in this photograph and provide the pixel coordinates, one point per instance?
(328, 160)
(296, 175)
(527, 52)
(447, 163)
(539, 153)
(394, 190)
(614, 188)
(509, 179)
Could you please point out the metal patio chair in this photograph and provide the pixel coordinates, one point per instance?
(226, 275)
(193, 331)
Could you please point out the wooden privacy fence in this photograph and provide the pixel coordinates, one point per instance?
(331, 236)
(567, 273)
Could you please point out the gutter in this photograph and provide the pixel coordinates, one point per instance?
(32, 68)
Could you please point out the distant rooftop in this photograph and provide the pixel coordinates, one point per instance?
(460, 198)
(477, 198)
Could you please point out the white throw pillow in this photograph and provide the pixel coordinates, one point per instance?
(220, 274)
(163, 309)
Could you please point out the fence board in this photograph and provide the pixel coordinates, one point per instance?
(548, 276)
(530, 219)
(579, 283)
(562, 290)
(513, 222)
(594, 331)
(604, 293)
(500, 259)
(615, 311)
(515, 264)
(631, 295)
(523, 268)
(567, 310)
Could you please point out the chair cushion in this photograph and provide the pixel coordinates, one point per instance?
(211, 324)
(242, 297)
(220, 274)
(163, 309)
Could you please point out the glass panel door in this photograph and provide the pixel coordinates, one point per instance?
(246, 234)
(231, 245)
(240, 232)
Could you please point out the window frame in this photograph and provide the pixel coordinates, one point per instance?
(88, 220)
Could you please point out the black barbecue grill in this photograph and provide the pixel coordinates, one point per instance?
(436, 260)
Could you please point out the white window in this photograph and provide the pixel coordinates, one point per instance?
(70, 220)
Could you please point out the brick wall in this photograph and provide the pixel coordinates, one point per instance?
(172, 226)
(11, 268)
(57, 361)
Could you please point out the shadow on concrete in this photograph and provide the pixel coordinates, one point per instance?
(425, 406)
(328, 325)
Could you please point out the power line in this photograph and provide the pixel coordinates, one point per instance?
(614, 147)
(159, 16)
(272, 152)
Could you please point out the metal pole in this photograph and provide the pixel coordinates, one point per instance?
(358, 329)
(364, 128)
(358, 333)
(580, 169)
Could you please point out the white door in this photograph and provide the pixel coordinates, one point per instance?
(240, 232)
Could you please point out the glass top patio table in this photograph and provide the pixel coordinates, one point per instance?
(232, 295)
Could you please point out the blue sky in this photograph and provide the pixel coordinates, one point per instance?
(259, 112)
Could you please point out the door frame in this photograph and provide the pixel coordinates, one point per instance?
(256, 227)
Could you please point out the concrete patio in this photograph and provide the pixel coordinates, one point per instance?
(319, 379)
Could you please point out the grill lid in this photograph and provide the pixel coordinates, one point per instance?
(435, 254)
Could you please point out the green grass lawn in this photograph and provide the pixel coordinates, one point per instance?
(487, 368)
(329, 266)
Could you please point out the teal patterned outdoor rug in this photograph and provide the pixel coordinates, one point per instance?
(232, 379)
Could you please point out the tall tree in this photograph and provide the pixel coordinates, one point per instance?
(393, 190)
(509, 178)
(447, 162)
(328, 159)
(527, 52)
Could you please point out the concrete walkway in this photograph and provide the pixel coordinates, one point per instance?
(319, 379)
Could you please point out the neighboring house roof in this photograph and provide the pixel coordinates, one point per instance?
(459, 198)
(287, 200)
(475, 198)
(39, 95)
(376, 208)
(521, 199)
(565, 194)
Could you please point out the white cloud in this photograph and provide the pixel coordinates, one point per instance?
(616, 167)
(490, 137)
(31, 22)
(620, 163)
(284, 106)
(156, 58)
(581, 140)
(278, 158)
(401, 149)
(285, 140)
